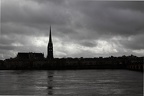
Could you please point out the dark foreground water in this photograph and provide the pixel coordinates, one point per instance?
(72, 83)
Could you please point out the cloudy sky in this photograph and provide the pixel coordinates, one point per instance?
(80, 28)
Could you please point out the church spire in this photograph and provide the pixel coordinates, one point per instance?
(50, 47)
(50, 39)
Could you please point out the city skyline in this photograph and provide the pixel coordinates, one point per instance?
(79, 28)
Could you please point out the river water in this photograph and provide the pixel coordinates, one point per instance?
(72, 83)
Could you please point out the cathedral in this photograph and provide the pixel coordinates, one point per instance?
(30, 55)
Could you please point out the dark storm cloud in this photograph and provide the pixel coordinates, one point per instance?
(110, 19)
(5, 40)
(28, 17)
(53, 1)
(6, 47)
(88, 43)
(65, 30)
(15, 28)
(35, 13)
(78, 22)
(136, 43)
(13, 39)
(133, 5)
(106, 18)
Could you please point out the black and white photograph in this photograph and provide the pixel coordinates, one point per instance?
(71, 47)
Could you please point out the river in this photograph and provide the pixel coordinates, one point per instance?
(71, 82)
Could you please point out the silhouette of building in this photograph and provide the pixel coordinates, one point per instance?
(30, 60)
(50, 47)
(30, 55)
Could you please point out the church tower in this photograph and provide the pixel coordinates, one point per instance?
(50, 47)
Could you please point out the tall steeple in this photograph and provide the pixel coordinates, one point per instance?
(50, 39)
(50, 47)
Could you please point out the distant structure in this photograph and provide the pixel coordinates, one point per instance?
(37, 61)
(50, 47)
(22, 55)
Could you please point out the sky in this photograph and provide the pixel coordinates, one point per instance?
(80, 28)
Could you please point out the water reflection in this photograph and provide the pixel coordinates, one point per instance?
(73, 83)
(50, 82)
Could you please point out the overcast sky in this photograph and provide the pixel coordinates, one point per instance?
(80, 28)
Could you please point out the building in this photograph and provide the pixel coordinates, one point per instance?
(50, 47)
(30, 55)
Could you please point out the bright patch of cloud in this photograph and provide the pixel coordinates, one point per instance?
(139, 51)
(39, 41)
